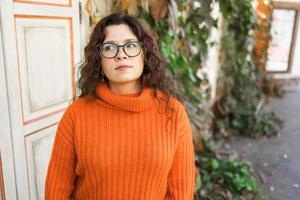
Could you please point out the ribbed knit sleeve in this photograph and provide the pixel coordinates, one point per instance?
(181, 178)
(61, 176)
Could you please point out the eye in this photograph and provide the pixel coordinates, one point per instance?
(131, 45)
(109, 47)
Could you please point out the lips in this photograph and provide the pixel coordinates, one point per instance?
(122, 67)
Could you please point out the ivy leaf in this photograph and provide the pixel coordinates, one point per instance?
(198, 184)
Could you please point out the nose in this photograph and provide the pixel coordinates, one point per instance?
(121, 54)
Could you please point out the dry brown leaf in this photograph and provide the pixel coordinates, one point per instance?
(262, 176)
(133, 7)
(271, 173)
(198, 142)
(125, 4)
(159, 9)
(145, 4)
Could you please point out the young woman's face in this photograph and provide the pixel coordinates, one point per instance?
(118, 66)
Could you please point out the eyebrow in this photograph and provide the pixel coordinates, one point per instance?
(115, 42)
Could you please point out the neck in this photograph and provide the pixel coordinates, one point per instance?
(140, 102)
(125, 88)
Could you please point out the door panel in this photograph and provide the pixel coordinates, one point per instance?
(45, 64)
(67, 3)
(37, 157)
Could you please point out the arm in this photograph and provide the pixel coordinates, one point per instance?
(181, 178)
(61, 170)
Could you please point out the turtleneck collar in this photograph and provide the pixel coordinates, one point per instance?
(134, 103)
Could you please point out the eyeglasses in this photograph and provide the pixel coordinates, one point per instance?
(131, 49)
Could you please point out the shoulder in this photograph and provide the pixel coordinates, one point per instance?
(180, 110)
(172, 104)
(79, 105)
(178, 105)
(181, 118)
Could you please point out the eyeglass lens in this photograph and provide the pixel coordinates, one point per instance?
(131, 49)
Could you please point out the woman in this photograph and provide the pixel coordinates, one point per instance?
(126, 136)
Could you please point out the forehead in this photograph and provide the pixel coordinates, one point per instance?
(119, 33)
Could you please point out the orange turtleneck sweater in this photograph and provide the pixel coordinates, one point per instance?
(122, 148)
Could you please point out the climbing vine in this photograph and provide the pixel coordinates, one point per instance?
(240, 96)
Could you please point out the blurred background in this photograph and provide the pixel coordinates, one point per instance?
(237, 62)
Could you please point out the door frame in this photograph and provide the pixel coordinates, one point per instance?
(6, 148)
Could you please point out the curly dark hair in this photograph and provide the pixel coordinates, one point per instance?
(154, 74)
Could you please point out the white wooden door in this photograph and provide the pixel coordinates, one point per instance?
(40, 48)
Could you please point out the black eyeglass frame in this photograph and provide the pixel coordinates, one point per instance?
(118, 48)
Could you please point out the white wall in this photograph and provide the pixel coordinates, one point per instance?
(213, 63)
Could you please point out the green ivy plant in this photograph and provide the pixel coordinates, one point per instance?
(184, 45)
(237, 111)
(226, 179)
